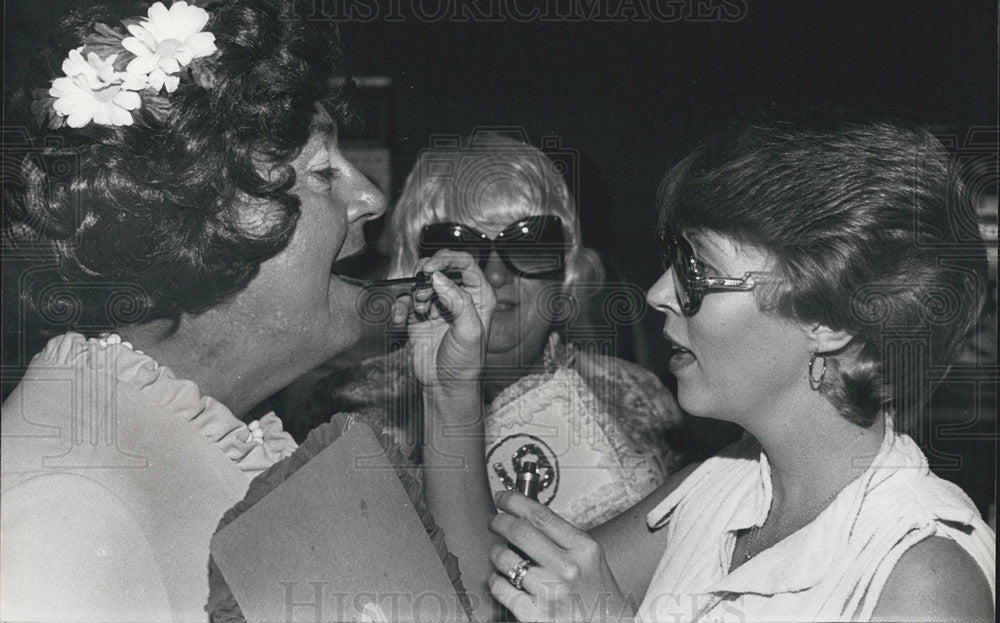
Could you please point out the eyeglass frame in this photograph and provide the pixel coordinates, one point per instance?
(701, 285)
(491, 244)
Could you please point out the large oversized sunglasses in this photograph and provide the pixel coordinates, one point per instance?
(532, 247)
(690, 282)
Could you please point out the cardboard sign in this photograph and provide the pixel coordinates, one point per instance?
(338, 541)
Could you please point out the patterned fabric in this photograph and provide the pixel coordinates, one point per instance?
(222, 606)
(620, 412)
(833, 569)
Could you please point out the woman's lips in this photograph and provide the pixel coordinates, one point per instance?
(679, 357)
(504, 306)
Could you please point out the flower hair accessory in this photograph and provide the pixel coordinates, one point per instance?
(111, 76)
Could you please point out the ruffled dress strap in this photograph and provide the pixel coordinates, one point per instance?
(175, 398)
(252, 446)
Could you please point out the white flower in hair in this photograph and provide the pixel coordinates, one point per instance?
(92, 90)
(167, 40)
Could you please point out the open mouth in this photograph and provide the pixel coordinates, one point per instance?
(355, 266)
(674, 349)
(678, 356)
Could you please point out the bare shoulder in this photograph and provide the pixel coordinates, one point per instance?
(935, 580)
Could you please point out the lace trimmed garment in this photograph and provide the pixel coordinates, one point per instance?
(602, 424)
(114, 476)
(833, 569)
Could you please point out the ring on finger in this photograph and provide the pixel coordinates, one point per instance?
(516, 575)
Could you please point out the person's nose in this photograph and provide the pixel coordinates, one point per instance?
(662, 296)
(496, 271)
(366, 202)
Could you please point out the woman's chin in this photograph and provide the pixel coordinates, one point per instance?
(347, 297)
(692, 401)
(350, 311)
(706, 405)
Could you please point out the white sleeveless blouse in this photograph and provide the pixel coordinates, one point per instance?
(833, 569)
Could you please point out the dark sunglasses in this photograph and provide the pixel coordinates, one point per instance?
(532, 247)
(690, 282)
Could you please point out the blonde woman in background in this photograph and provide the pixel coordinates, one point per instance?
(595, 426)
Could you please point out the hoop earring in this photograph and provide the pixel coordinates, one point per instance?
(815, 383)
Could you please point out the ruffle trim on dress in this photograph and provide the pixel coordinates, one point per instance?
(179, 398)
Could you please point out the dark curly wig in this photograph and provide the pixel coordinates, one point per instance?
(175, 213)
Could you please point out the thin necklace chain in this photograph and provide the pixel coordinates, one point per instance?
(754, 539)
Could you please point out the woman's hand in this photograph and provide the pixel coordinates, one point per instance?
(569, 579)
(448, 329)
(448, 324)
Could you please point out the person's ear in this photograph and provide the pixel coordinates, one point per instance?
(824, 340)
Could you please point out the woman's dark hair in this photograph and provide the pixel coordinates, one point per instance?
(870, 230)
(174, 213)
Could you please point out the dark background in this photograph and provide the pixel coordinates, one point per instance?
(627, 98)
(630, 97)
